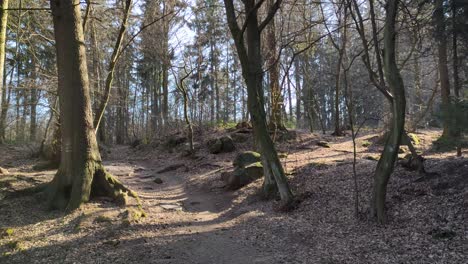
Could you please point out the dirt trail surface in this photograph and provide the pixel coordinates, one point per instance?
(190, 218)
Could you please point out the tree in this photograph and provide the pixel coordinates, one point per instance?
(441, 38)
(3, 29)
(251, 63)
(81, 173)
(386, 163)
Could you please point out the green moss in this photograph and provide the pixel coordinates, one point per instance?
(366, 143)
(15, 246)
(414, 139)
(6, 232)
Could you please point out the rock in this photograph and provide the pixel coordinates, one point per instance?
(323, 144)
(171, 206)
(286, 135)
(228, 144)
(158, 181)
(221, 145)
(215, 146)
(243, 176)
(240, 137)
(245, 158)
(3, 171)
(247, 169)
(244, 124)
(175, 141)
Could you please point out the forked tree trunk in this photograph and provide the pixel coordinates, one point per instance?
(386, 163)
(251, 64)
(81, 172)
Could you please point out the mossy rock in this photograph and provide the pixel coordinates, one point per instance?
(366, 143)
(240, 177)
(221, 145)
(245, 158)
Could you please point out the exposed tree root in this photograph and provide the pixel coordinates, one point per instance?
(93, 181)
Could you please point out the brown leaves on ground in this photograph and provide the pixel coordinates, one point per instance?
(191, 218)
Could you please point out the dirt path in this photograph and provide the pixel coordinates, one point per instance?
(196, 223)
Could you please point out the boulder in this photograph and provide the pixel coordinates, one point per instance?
(244, 124)
(240, 177)
(221, 145)
(245, 158)
(323, 144)
(247, 168)
(240, 137)
(228, 144)
(158, 181)
(174, 141)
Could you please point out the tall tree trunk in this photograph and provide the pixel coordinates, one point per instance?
(276, 121)
(81, 173)
(3, 29)
(33, 105)
(297, 79)
(441, 37)
(110, 71)
(251, 59)
(387, 160)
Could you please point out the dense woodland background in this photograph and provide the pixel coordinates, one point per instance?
(321, 88)
(308, 50)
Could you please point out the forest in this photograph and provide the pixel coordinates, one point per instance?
(227, 131)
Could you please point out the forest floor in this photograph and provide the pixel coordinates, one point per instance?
(191, 218)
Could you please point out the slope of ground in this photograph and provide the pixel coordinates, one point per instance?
(192, 219)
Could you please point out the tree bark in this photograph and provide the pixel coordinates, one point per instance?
(113, 62)
(251, 64)
(441, 38)
(81, 173)
(386, 163)
(3, 29)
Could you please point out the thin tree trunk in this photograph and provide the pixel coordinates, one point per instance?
(3, 30)
(441, 38)
(386, 163)
(113, 62)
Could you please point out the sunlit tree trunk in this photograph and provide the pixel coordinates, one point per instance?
(251, 64)
(81, 172)
(3, 29)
